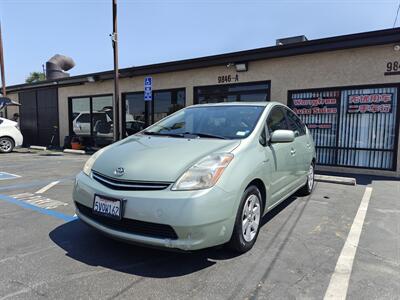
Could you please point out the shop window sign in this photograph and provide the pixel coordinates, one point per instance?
(315, 106)
(370, 103)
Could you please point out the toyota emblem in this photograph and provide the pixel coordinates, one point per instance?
(119, 171)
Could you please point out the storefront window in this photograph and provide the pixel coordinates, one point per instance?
(138, 115)
(319, 111)
(350, 127)
(91, 120)
(102, 120)
(246, 92)
(167, 102)
(368, 127)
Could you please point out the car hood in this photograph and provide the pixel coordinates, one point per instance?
(161, 159)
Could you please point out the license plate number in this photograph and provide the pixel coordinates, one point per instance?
(107, 207)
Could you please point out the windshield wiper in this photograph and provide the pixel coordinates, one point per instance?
(182, 135)
(162, 134)
(199, 134)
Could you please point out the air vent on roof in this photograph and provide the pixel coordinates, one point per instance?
(57, 65)
(291, 40)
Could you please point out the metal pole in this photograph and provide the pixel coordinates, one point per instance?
(3, 79)
(116, 99)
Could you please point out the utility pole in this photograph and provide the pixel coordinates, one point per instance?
(3, 79)
(116, 99)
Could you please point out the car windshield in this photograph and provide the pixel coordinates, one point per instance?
(224, 122)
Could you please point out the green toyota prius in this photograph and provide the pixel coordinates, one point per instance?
(201, 177)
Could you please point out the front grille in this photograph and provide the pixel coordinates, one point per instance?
(128, 185)
(130, 226)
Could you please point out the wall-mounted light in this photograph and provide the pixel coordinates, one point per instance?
(241, 67)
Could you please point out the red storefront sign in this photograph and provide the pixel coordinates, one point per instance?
(370, 103)
(315, 105)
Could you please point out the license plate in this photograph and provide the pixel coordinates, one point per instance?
(107, 207)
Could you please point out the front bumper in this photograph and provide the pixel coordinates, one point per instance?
(200, 219)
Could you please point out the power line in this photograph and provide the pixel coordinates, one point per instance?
(397, 14)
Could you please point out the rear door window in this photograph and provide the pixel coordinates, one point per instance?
(84, 118)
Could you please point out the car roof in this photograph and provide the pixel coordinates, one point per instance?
(264, 103)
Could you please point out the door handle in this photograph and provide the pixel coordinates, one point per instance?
(308, 146)
(293, 152)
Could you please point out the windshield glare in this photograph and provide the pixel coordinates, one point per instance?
(229, 122)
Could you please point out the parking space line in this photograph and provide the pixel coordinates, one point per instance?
(44, 211)
(8, 176)
(339, 282)
(47, 187)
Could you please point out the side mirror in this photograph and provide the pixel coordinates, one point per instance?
(282, 136)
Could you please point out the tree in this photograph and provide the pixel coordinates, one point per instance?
(35, 77)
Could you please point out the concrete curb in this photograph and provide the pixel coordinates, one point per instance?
(38, 148)
(72, 151)
(336, 179)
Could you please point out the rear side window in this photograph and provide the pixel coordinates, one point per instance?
(295, 123)
(276, 120)
(1, 121)
(84, 118)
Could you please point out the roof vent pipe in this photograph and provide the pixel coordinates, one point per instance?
(57, 65)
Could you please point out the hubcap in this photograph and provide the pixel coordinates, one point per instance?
(311, 178)
(251, 217)
(5, 145)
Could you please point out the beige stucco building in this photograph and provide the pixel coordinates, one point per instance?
(359, 74)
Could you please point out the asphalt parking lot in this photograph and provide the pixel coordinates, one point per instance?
(45, 252)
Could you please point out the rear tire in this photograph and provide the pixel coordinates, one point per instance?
(307, 189)
(248, 221)
(6, 145)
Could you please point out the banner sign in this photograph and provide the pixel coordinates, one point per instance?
(315, 105)
(370, 103)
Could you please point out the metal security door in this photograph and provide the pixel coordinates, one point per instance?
(28, 117)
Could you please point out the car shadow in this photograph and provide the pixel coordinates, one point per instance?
(84, 244)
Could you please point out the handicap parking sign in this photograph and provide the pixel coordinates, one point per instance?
(148, 89)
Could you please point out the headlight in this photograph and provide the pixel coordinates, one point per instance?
(203, 174)
(89, 163)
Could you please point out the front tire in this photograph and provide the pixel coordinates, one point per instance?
(6, 145)
(307, 189)
(248, 221)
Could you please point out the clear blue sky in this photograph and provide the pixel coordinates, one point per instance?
(159, 31)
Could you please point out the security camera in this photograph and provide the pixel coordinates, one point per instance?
(396, 48)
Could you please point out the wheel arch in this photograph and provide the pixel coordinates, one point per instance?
(261, 186)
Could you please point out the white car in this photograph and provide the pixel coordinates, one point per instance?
(102, 124)
(10, 136)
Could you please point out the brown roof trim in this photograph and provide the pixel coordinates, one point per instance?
(364, 39)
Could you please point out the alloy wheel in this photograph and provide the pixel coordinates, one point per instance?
(5, 145)
(251, 217)
(311, 177)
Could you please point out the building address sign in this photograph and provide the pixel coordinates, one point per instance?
(393, 68)
(228, 78)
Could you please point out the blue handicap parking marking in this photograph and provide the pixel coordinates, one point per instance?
(5, 175)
